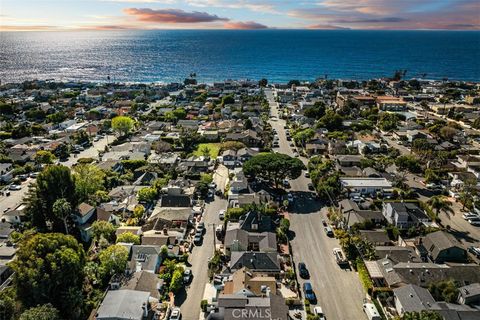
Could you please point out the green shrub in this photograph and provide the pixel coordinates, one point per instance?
(364, 277)
(203, 305)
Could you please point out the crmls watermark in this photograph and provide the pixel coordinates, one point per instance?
(253, 314)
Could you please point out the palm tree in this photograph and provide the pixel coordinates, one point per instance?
(439, 203)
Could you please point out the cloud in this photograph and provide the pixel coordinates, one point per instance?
(374, 20)
(326, 27)
(29, 28)
(258, 6)
(248, 25)
(171, 15)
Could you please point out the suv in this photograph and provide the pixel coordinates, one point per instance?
(308, 292)
(303, 271)
(221, 214)
(328, 231)
(187, 276)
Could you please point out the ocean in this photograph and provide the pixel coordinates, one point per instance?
(215, 55)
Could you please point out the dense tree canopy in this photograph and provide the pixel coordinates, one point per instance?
(113, 260)
(122, 125)
(273, 167)
(43, 312)
(49, 269)
(44, 157)
(53, 183)
(128, 237)
(88, 180)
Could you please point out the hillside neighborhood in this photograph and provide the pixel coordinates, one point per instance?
(240, 199)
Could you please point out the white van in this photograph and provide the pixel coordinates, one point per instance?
(371, 311)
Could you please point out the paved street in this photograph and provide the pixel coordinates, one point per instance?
(16, 197)
(190, 305)
(338, 291)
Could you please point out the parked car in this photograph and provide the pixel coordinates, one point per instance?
(371, 311)
(221, 214)
(187, 276)
(339, 256)
(175, 314)
(290, 197)
(475, 251)
(474, 221)
(310, 186)
(15, 187)
(324, 222)
(469, 215)
(319, 313)
(286, 183)
(307, 174)
(296, 155)
(308, 292)
(197, 240)
(328, 231)
(201, 227)
(303, 271)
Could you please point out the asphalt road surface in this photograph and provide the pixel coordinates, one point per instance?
(338, 290)
(190, 302)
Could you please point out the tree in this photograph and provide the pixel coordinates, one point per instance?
(44, 157)
(439, 203)
(332, 121)
(274, 167)
(103, 229)
(303, 136)
(128, 237)
(62, 210)
(205, 151)
(315, 112)
(88, 180)
(448, 132)
(445, 290)
(122, 125)
(247, 124)
(43, 312)
(263, 82)
(422, 315)
(408, 163)
(147, 194)
(113, 260)
(49, 269)
(62, 151)
(7, 303)
(180, 113)
(53, 183)
(177, 281)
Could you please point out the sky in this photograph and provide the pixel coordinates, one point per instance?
(52, 15)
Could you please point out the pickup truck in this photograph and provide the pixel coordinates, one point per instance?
(340, 257)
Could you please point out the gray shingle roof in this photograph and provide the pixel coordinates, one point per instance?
(123, 304)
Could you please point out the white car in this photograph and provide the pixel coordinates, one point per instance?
(290, 197)
(221, 214)
(474, 221)
(469, 215)
(319, 312)
(176, 314)
(15, 187)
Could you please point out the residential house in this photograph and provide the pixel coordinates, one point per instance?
(469, 294)
(412, 298)
(246, 281)
(404, 215)
(267, 262)
(441, 247)
(124, 304)
(6, 172)
(352, 214)
(366, 186)
(240, 240)
(242, 306)
(144, 258)
(83, 218)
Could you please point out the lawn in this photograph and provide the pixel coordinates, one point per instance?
(214, 148)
